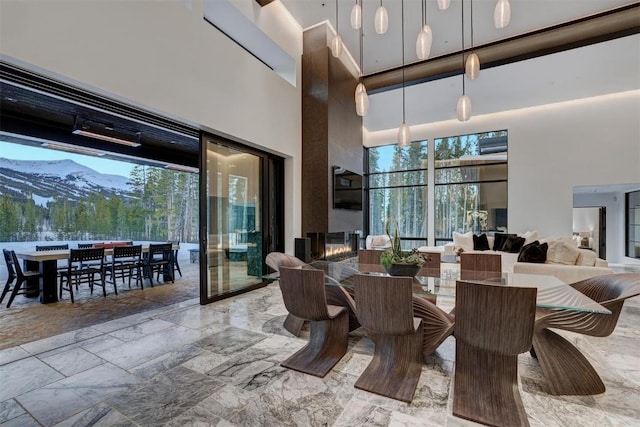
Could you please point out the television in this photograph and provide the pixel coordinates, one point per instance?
(347, 189)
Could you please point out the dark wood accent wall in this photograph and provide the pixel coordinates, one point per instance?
(331, 134)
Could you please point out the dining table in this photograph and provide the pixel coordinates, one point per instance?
(46, 262)
(551, 294)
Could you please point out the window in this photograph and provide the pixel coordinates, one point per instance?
(633, 224)
(470, 184)
(396, 185)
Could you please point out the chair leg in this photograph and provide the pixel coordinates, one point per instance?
(328, 340)
(16, 288)
(7, 286)
(396, 366)
(176, 266)
(293, 324)
(486, 387)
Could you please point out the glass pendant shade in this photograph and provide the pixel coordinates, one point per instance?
(423, 43)
(336, 46)
(444, 4)
(502, 14)
(472, 66)
(404, 135)
(463, 109)
(381, 20)
(362, 100)
(356, 16)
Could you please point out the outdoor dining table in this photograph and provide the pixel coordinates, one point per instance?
(46, 262)
(551, 293)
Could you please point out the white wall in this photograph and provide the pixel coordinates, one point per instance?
(163, 56)
(552, 149)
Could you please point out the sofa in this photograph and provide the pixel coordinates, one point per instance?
(558, 257)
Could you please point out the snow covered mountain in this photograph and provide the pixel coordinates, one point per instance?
(42, 179)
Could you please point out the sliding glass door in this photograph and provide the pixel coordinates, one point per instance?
(233, 224)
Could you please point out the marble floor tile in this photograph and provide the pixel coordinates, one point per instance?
(180, 356)
(47, 344)
(9, 409)
(231, 340)
(228, 400)
(141, 329)
(21, 421)
(100, 415)
(151, 346)
(25, 375)
(197, 416)
(12, 354)
(72, 361)
(197, 317)
(205, 361)
(69, 396)
(165, 396)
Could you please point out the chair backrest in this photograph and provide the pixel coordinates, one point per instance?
(495, 318)
(133, 252)
(369, 260)
(275, 260)
(42, 248)
(88, 245)
(431, 266)
(8, 259)
(78, 256)
(303, 293)
(384, 304)
(479, 266)
(164, 249)
(16, 265)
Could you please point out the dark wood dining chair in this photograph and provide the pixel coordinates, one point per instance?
(83, 266)
(275, 260)
(124, 261)
(384, 306)
(494, 324)
(15, 274)
(480, 266)
(431, 266)
(176, 265)
(369, 261)
(566, 369)
(159, 259)
(303, 292)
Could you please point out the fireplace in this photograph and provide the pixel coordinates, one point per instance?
(334, 246)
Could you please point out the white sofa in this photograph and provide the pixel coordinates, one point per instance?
(586, 265)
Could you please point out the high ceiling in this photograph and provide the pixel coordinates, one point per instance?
(608, 67)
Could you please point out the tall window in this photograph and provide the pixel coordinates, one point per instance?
(470, 184)
(396, 186)
(633, 224)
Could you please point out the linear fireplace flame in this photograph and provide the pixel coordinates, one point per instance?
(334, 246)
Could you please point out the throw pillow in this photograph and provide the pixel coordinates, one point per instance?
(464, 241)
(529, 237)
(513, 244)
(533, 252)
(498, 240)
(560, 252)
(480, 243)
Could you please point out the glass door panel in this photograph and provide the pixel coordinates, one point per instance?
(233, 220)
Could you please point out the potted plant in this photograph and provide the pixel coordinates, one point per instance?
(396, 261)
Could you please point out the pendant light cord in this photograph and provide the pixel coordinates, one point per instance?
(336, 17)
(424, 13)
(403, 100)
(463, 65)
(361, 39)
(471, 24)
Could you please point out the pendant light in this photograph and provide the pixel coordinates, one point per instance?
(502, 14)
(356, 16)
(444, 4)
(381, 20)
(361, 97)
(425, 36)
(336, 42)
(404, 132)
(463, 107)
(472, 66)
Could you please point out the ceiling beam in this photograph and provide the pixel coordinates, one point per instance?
(263, 3)
(604, 26)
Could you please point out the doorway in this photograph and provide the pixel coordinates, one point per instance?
(240, 216)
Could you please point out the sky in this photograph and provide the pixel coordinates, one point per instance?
(25, 152)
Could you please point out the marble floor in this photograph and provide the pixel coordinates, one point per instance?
(183, 364)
